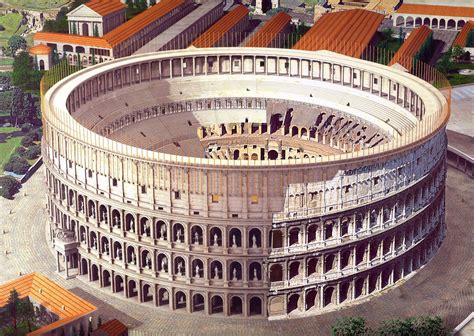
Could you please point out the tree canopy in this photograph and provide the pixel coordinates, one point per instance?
(16, 43)
(24, 74)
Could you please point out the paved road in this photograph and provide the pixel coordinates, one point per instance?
(442, 287)
(462, 110)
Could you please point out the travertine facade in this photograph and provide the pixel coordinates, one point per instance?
(244, 182)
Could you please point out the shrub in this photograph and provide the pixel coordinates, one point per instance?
(20, 150)
(2, 28)
(349, 326)
(26, 127)
(8, 186)
(17, 165)
(32, 152)
(35, 134)
(26, 141)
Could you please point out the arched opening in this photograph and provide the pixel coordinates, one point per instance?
(461, 24)
(118, 284)
(118, 251)
(294, 131)
(179, 266)
(255, 306)
(310, 299)
(80, 50)
(215, 237)
(180, 299)
(272, 154)
(345, 258)
(94, 273)
(276, 272)
(84, 267)
(359, 287)
(235, 271)
(163, 297)
(329, 263)
(67, 48)
(343, 292)
(235, 238)
(304, 132)
(178, 233)
(442, 23)
(146, 261)
(235, 305)
(292, 303)
(451, 24)
(103, 214)
(197, 268)
(328, 296)
(294, 236)
(85, 29)
(434, 23)
(254, 157)
(160, 229)
(147, 293)
(328, 230)
(132, 288)
(255, 238)
(426, 22)
(198, 302)
(41, 65)
(312, 264)
(373, 282)
(196, 234)
(116, 219)
(93, 240)
(145, 227)
(131, 255)
(236, 154)
(312, 229)
(216, 270)
(255, 271)
(418, 22)
(106, 282)
(130, 223)
(277, 239)
(276, 121)
(217, 305)
(386, 277)
(400, 21)
(162, 263)
(294, 269)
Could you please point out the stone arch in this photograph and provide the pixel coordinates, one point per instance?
(329, 262)
(427, 22)
(294, 236)
(84, 266)
(451, 24)
(276, 272)
(216, 270)
(294, 131)
(103, 214)
(312, 265)
(119, 287)
(161, 230)
(197, 268)
(328, 296)
(198, 302)
(310, 299)
(442, 24)
(132, 288)
(215, 237)
(255, 306)
(272, 154)
(303, 132)
(106, 278)
(434, 23)
(41, 65)
(163, 297)
(197, 235)
(409, 22)
(130, 223)
(93, 240)
(105, 245)
(178, 233)
(235, 305)
(344, 292)
(373, 278)
(118, 253)
(67, 48)
(400, 21)
(131, 255)
(460, 24)
(418, 21)
(162, 265)
(116, 218)
(255, 238)
(255, 271)
(294, 269)
(328, 230)
(277, 239)
(235, 271)
(345, 258)
(311, 233)
(217, 304)
(85, 29)
(146, 259)
(82, 234)
(179, 266)
(359, 287)
(145, 228)
(180, 299)
(292, 305)
(147, 292)
(235, 238)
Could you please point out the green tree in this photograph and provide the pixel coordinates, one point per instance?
(396, 327)
(444, 64)
(8, 186)
(24, 73)
(12, 306)
(349, 326)
(429, 326)
(96, 30)
(457, 53)
(17, 165)
(26, 312)
(16, 43)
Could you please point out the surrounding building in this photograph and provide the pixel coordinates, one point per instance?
(257, 182)
(348, 32)
(412, 48)
(111, 328)
(273, 34)
(440, 17)
(67, 310)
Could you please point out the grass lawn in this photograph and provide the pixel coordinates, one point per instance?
(6, 61)
(456, 79)
(37, 4)
(11, 22)
(9, 141)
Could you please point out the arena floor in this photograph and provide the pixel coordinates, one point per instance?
(443, 286)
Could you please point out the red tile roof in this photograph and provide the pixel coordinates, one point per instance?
(112, 328)
(98, 42)
(142, 20)
(66, 305)
(436, 10)
(105, 7)
(404, 56)
(461, 38)
(347, 32)
(211, 36)
(264, 37)
(40, 49)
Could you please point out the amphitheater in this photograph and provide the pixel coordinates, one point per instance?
(244, 182)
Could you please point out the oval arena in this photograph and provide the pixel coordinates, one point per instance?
(244, 182)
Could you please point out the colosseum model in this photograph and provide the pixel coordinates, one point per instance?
(244, 182)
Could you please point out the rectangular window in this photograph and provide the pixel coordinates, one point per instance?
(177, 195)
(143, 189)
